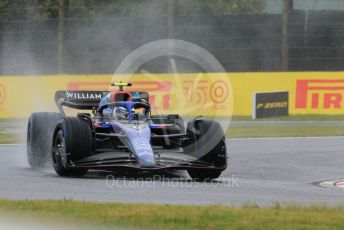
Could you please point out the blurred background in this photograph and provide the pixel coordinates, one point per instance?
(283, 63)
(39, 37)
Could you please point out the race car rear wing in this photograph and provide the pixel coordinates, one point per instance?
(88, 100)
(83, 100)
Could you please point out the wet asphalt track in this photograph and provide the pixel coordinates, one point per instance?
(262, 171)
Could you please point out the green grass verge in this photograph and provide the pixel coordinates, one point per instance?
(144, 216)
(7, 138)
(312, 117)
(13, 120)
(284, 131)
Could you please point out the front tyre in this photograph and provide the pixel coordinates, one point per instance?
(207, 144)
(204, 174)
(72, 141)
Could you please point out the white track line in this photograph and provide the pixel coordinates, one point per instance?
(286, 138)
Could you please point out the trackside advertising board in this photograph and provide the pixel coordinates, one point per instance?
(220, 94)
(270, 104)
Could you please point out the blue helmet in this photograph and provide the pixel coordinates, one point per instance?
(122, 113)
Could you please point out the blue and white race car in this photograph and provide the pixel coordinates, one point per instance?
(122, 135)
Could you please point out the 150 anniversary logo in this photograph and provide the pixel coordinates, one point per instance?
(2, 94)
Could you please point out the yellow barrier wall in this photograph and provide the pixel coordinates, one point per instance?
(186, 94)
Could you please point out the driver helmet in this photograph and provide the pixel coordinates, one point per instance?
(121, 113)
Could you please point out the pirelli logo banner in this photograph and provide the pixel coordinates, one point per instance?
(316, 94)
(270, 104)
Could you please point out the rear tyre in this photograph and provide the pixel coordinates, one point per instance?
(208, 144)
(72, 141)
(39, 137)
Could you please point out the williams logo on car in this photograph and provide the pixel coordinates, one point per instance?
(85, 95)
(320, 94)
(2, 94)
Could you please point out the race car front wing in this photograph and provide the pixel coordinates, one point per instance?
(165, 160)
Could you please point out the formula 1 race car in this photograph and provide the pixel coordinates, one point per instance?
(121, 134)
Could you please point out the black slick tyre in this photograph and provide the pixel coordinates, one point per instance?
(40, 132)
(208, 144)
(72, 142)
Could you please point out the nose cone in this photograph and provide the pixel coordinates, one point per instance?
(146, 160)
(138, 142)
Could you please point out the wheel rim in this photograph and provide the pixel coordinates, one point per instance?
(58, 148)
